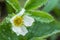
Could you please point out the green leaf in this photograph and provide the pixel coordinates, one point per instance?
(34, 4)
(43, 30)
(14, 4)
(37, 38)
(50, 5)
(53, 37)
(42, 16)
(9, 8)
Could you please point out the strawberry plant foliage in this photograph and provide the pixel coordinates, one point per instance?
(37, 38)
(34, 4)
(50, 5)
(41, 16)
(15, 4)
(44, 24)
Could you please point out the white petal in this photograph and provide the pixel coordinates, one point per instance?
(21, 12)
(24, 31)
(12, 19)
(28, 21)
(20, 30)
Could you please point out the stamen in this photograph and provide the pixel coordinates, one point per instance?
(18, 21)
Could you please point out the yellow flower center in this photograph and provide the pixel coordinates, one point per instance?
(18, 21)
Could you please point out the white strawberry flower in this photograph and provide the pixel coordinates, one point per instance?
(20, 22)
